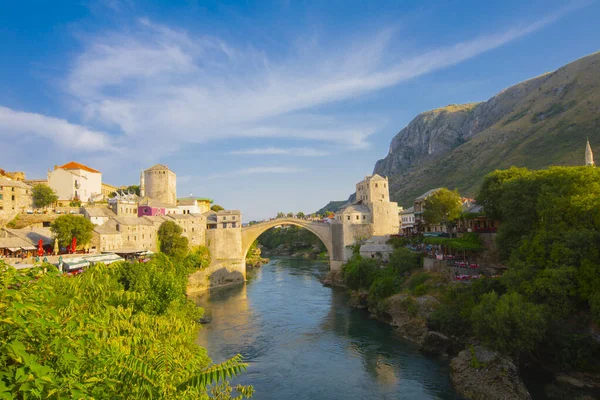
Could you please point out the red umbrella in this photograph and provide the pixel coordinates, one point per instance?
(73, 245)
(41, 248)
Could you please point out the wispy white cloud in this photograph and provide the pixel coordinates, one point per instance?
(17, 123)
(151, 82)
(293, 151)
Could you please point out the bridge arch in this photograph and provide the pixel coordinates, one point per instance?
(319, 229)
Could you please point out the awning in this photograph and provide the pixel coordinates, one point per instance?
(75, 263)
(103, 258)
(29, 248)
(13, 249)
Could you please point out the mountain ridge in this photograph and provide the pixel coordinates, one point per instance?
(536, 123)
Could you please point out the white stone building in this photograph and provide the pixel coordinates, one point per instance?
(74, 181)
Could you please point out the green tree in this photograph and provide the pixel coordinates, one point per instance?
(216, 208)
(509, 323)
(442, 207)
(490, 193)
(280, 215)
(360, 272)
(300, 215)
(172, 243)
(67, 227)
(290, 215)
(43, 196)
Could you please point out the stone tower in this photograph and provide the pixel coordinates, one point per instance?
(589, 156)
(160, 184)
(373, 189)
(142, 184)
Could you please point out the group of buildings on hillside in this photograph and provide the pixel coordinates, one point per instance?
(124, 222)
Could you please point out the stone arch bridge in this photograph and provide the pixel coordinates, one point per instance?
(326, 232)
(230, 249)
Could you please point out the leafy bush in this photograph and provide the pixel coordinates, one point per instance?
(359, 273)
(420, 290)
(91, 336)
(382, 288)
(509, 323)
(403, 261)
(418, 279)
(198, 259)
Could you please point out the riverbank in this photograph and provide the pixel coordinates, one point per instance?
(476, 371)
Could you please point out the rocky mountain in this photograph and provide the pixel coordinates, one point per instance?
(541, 122)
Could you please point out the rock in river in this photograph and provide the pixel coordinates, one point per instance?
(436, 343)
(481, 374)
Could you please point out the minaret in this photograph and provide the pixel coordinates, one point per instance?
(589, 156)
(142, 185)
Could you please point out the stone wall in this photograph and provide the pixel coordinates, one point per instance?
(225, 244)
(353, 233)
(219, 273)
(385, 218)
(194, 228)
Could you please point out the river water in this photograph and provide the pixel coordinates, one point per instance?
(302, 341)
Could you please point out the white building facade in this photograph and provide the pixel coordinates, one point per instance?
(75, 181)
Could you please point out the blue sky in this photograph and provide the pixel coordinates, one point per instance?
(264, 106)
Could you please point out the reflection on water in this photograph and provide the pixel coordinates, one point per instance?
(302, 341)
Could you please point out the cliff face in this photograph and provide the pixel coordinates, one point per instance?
(537, 123)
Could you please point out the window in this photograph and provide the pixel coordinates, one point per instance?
(377, 185)
(357, 217)
(364, 217)
(225, 225)
(192, 229)
(0, 196)
(13, 197)
(143, 236)
(233, 225)
(12, 188)
(348, 218)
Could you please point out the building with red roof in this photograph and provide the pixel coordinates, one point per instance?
(75, 181)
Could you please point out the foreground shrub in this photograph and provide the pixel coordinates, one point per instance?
(89, 336)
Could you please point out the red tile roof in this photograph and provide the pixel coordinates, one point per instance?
(76, 165)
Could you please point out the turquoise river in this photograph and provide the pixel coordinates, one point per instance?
(302, 340)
